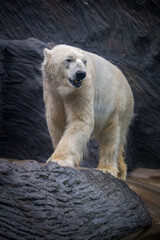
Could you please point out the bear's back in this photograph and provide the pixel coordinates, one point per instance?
(111, 88)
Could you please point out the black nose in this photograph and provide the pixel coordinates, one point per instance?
(80, 75)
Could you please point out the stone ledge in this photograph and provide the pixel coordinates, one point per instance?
(53, 202)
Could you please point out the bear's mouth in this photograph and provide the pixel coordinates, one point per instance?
(75, 83)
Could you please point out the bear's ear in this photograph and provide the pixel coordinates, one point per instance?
(47, 53)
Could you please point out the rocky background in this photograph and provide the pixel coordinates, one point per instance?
(41, 201)
(124, 32)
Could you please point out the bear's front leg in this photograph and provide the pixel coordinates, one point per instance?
(72, 145)
(80, 123)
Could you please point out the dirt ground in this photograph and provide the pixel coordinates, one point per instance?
(146, 183)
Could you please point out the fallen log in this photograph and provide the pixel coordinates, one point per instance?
(58, 203)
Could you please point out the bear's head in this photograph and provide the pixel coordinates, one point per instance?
(66, 65)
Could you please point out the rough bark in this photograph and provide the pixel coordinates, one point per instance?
(52, 202)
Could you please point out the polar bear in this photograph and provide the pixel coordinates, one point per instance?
(85, 94)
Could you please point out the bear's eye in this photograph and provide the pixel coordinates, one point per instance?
(85, 62)
(69, 60)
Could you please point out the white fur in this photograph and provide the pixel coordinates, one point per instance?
(103, 105)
